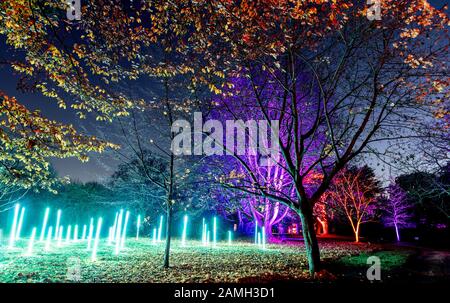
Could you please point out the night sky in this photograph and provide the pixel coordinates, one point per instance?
(98, 168)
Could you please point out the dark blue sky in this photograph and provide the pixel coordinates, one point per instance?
(93, 170)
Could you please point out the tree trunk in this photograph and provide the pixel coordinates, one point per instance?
(397, 232)
(168, 234)
(269, 234)
(310, 239)
(357, 233)
(323, 227)
(169, 211)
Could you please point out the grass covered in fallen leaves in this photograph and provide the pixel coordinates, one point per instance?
(141, 261)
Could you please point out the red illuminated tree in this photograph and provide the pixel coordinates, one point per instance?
(354, 194)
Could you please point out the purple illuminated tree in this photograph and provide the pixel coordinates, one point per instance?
(264, 211)
(397, 209)
(250, 172)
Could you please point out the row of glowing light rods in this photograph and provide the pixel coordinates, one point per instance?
(47, 234)
(116, 236)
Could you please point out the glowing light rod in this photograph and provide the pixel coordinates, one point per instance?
(206, 232)
(154, 236)
(75, 233)
(124, 232)
(215, 232)
(110, 235)
(114, 228)
(138, 226)
(69, 229)
(91, 232)
(60, 236)
(229, 237)
(263, 237)
(183, 235)
(19, 227)
(160, 228)
(203, 232)
(256, 232)
(58, 221)
(44, 224)
(31, 242)
(83, 236)
(12, 237)
(49, 238)
(97, 236)
(118, 230)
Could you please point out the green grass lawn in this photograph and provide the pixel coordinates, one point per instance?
(391, 259)
(141, 261)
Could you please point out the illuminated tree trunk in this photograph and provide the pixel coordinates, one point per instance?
(310, 238)
(169, 234)
(169, 215)
(356, 231)
(323, 226)
(170, 202)
(322, 219)
(397, 232)
(269, 234)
